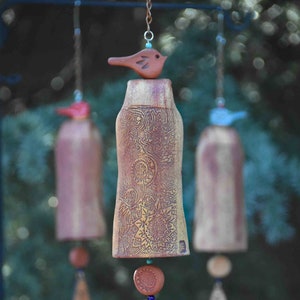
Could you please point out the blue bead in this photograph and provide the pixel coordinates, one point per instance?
(148, 45)
(218, 281)
(77, 31)
(149, 261)
(77, 96)
(220, 39)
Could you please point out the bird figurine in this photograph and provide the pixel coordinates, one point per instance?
(77, 110)
(221, 116)
(148, 63)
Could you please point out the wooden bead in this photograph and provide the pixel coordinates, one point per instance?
(148, 280)
(219, 266)
(79, 257)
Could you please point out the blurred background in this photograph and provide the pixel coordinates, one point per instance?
(262, 73)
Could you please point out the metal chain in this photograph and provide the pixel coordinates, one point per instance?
(148, 35)
(148, 14)
(77, 52)
(221, 41)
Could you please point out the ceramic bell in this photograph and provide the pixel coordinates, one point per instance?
(220, 222)
(79, 214)
(149, 218)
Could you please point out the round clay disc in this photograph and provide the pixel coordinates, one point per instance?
(219, 266)
(79, 257)
(148, 280)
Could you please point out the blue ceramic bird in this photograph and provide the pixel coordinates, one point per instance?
(221, 116)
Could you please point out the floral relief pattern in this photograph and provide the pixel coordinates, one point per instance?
(147, 184)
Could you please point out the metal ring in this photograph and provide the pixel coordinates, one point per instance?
(148, 35)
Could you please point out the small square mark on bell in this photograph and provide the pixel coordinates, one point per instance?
(182, 246)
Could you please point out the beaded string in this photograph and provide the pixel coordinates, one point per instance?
(77, 52)
(148, 35)
(221, 41)
(149, 261)
(79, 259)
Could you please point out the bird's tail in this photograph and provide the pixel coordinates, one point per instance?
(119, 61)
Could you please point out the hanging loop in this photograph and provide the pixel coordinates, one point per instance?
(148, 36)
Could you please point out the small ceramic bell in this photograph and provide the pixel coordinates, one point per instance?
(79, 214)
(220, 224)
(218, 293)
(81, 289)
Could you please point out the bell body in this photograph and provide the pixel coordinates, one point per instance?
(79, 214)
(219, 223)
(149, 219)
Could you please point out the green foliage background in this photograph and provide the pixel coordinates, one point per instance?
(36, 265)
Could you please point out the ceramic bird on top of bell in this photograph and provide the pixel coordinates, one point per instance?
(148, 63)
(220, 221)
(149, 219)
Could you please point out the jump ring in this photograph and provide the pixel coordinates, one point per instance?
(148, 35)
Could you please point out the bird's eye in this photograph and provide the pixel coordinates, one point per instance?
(157, 56)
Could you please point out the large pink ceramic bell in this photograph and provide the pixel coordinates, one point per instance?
(219, 224)
(79, 214)
(149, 219)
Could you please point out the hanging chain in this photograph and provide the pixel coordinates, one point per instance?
(221, 41)
(148, 35)
(77, 52)
(148, 14)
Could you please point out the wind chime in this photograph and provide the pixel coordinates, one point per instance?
(220, 224)
(149, 220)
(79, 215)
